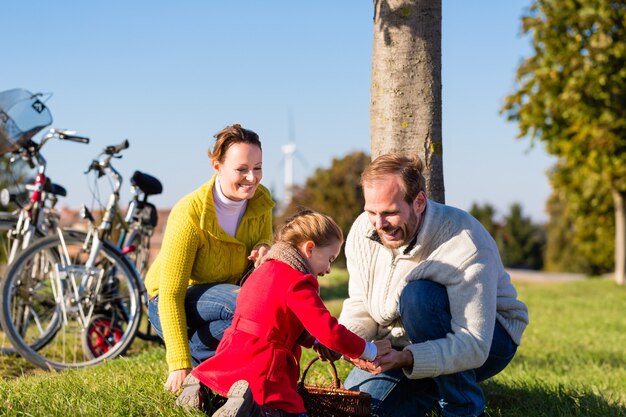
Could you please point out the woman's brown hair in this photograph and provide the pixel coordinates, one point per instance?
(230, 135)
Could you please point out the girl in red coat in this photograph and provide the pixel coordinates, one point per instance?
(278, 310)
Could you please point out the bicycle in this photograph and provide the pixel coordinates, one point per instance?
(94, 288)
(35, 219)
(23, 115)
(137, 230)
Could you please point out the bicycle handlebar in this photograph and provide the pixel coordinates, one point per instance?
(111, 151)
(114, 149)
(72, 137)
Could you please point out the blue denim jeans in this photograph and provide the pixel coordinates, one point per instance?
(209, 310)
(425, 313)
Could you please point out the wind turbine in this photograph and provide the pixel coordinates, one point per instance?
(289, 151)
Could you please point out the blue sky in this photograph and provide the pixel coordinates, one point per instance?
(169, 75)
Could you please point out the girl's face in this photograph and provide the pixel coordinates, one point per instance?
(241, 171)
(320, 257)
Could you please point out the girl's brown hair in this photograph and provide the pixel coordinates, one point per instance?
(309, 225)
(230, 135)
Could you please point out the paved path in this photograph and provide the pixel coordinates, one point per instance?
(541, 276)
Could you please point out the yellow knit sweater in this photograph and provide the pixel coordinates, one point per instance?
(195, 250)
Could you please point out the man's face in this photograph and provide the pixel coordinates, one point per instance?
(395, 220)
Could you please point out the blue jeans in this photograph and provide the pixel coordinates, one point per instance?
(209, 310)
(425, 314)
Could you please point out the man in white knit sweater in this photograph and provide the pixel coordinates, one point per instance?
(429, 278)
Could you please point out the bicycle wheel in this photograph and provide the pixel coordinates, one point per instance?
(54, 269)
(8, 226)
(140, 257)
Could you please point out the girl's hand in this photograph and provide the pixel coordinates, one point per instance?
(383, 346)
(365, 365)
(258, 253)
(324, 353)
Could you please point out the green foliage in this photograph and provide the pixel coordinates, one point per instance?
(485, 215)
(335, 191)
(572, 97)
(580, 230)
(520, 241)
(12, 176)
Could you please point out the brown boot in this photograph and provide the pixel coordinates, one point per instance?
(240, 402)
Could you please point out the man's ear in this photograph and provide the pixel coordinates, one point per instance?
(419, 204)
(215, 164)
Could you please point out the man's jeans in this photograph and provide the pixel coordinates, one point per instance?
(209, 309)
(425, 313)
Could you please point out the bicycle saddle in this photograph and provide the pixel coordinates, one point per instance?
(146, 183)
(50, 187)
(55, 189)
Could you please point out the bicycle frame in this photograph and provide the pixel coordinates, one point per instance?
(32, 217)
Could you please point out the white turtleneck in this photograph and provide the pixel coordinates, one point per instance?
(229, 212)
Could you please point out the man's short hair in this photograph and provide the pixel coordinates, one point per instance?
(408, 168)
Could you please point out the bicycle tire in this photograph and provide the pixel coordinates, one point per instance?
(140, 258)
(58, 271)
(8, 224)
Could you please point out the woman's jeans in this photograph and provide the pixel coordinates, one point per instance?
(209, 309)
(425, 314)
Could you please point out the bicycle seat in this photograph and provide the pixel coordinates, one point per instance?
(50, 187)
(146, 183)
(56, 189)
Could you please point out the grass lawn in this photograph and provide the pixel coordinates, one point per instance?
(572, 362)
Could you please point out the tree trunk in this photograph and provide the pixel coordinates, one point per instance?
(619, 198)
(405, 108)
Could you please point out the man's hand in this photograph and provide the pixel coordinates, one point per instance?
(175, 379)
(391, 360)
(394, 359)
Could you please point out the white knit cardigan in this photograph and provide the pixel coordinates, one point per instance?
(452, 249)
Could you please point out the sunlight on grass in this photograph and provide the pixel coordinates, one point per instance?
(571, 363)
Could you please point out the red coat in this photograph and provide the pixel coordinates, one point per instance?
(274, 307)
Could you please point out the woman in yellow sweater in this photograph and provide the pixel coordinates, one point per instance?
(211, 236)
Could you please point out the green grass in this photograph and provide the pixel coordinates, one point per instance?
(572, 362)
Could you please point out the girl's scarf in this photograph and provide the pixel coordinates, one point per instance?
(288, 254)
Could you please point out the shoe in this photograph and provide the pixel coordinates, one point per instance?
(240, 402)
(193, 396)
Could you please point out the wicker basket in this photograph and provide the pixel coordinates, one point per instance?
(334, 401)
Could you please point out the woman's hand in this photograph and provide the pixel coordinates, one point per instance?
(175, 379)
(258, 253)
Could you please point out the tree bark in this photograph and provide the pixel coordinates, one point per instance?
(405, 107)
(619, 198)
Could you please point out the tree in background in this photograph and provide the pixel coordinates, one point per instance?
(405, 107)
(485, 214)
(520, 241)
(571, 96)
(335, 191)
(12, 176)
(581, 225)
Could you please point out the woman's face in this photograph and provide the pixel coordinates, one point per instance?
(241, 171)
